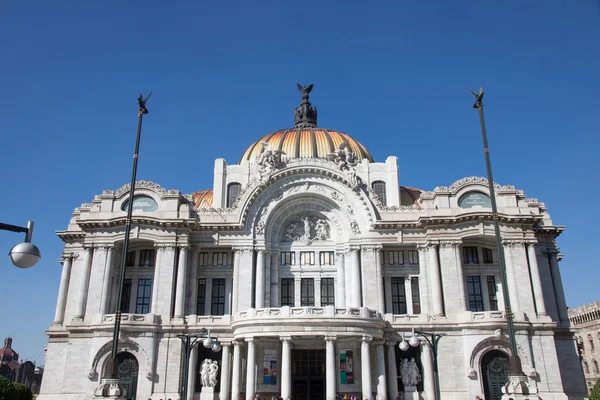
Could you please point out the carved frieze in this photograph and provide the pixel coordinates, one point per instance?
(306, 228)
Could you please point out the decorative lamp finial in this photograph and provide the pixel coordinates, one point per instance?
(305, 116)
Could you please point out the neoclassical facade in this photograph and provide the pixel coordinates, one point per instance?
(310, 263)
(586, 323)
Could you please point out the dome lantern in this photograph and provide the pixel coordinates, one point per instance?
(305, 116)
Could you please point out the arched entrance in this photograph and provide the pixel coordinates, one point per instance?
(128, 374)
(494, 370)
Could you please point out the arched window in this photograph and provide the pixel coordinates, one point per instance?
(591, 340)
(379, 189)
(233, 191)
(596, 366)
(586, 367)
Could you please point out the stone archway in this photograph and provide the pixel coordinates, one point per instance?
(494, 372)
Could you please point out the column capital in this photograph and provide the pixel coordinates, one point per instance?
(450, 243)
(242, 249)
(164, 246)
(330, 338)
(286, 339)
(237, 343)
(388, 343)
(87, 246)
(513, 242)
(373, 248)
(431, 244)
(353, 249)
(378, 342)
(184, 246)
(367, 339)
(72, 256)
(250, 340)
(551, 250)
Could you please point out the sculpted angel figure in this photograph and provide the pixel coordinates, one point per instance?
(290, 232)
(321, 230)
(343, 156)
(413, 373)
(268, 159)
(404, 371)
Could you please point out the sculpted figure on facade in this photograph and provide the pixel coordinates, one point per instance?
(268, 160)
(409, 371)
(343, 157)
(208, 372)
(307, 228)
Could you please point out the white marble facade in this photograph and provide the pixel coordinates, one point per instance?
(306, 274)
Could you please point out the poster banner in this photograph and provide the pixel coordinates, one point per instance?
(270, 367)
(346, 370)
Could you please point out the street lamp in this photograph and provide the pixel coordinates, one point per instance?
(189, 341)
(26, 254)
(516, 376)
(414, 341)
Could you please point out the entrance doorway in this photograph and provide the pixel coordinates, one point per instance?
(494, 368)
(308, 371)
(127, 372)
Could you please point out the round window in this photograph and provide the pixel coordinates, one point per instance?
(141, 203)
(474, 199)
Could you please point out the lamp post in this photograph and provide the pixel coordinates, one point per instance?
(115, 340)
(414, 341)
(26, 254)
(516, 376)
(189, 341)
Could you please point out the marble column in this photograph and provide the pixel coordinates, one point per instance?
(181, 283)
(286, 368)
(274, 278)
(355, 300)
(225, 371)
(259, 294)
(436, 281)
(423, 282)
(63, 290)
(559, 292)
(331, 369)
(392, 373)
(192, 373)
(236, 371)
(251, 369)
(192, 291)
(84, 278)
(365, 367)
(461, 278)
(235, 283)
(536, 281)
(380, 290)
(511, 277)
(340, 290)
(428, 373)
(155, 282)
(381, 379)
(108, 270)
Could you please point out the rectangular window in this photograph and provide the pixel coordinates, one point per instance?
(413, 257)
(395, 257)
(288, 258)
(201, 300)
(144, 294)
(220, 259)
(203, 259)
(287, 292)
(474, 289)
(126, 296)
(398, 296)
(416, 296)
(307, 258)
(491, 282)
(130, 262)
(327, 292)
(147, 258)
(327, 258)
(487, 256)
(217, 303)
(307, 292)
(470, 255)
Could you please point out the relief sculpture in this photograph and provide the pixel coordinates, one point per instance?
(307, 228)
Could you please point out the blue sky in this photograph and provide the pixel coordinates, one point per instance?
(394, 75)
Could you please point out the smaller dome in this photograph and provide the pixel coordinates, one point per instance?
(306, 143)
(203, 198)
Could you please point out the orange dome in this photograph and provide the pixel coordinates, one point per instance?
(306, 142)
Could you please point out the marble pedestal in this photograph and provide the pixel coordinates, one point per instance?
(410, 393)
(109, 389)
(208, 393)
(518, 388)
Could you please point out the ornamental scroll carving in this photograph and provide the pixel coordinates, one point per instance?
(307, 228)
